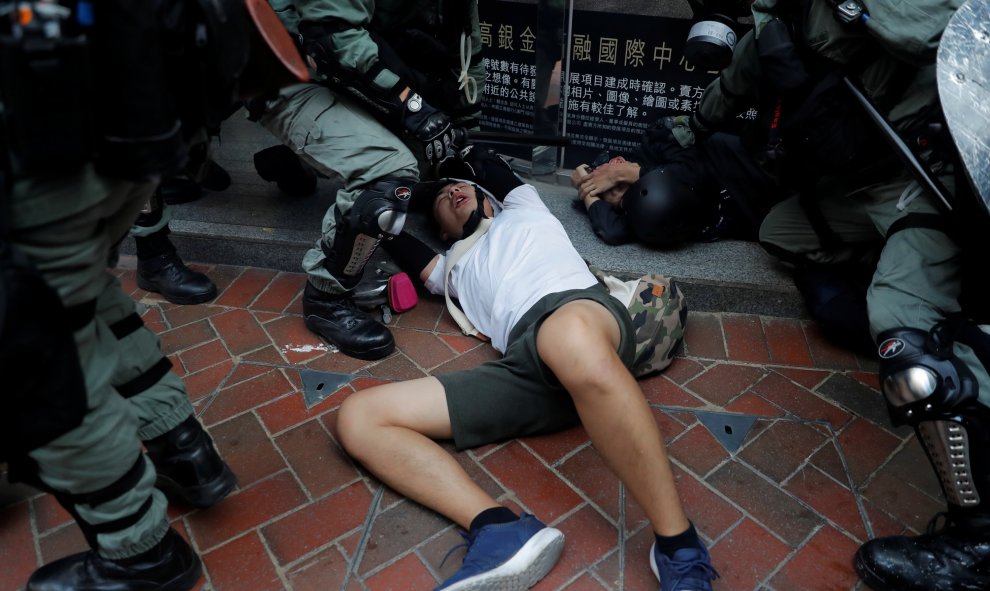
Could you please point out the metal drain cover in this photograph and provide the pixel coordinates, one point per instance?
(730, 429)
(318, 385)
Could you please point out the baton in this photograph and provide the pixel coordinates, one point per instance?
(920, 171)
(506, 137)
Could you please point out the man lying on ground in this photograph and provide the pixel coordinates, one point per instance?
(568, 346)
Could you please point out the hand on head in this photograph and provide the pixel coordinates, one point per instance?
(608, 181)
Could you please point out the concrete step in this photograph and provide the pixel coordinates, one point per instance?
(252, 223)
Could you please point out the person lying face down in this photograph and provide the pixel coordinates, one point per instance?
(567, 347)
(657, 207)
(692, 192)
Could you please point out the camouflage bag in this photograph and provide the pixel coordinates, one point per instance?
(658, 312)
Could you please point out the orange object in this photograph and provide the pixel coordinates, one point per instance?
(24, 15)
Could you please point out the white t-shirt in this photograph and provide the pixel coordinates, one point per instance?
(525, 255)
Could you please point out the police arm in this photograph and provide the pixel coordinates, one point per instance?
(337, 40)
(731, 91)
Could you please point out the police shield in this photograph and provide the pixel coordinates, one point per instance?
(963, 72)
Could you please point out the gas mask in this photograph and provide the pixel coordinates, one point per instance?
(713, 36)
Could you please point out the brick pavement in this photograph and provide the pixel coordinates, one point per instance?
(818, 471)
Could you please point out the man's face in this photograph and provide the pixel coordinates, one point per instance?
(452, 207)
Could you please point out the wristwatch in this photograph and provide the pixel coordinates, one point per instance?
(414, 103)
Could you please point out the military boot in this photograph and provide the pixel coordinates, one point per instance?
(955, 558)
(336, 318)
(168, 275)
(189, 468)
(170, 566)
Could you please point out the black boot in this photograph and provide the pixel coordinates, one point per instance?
(168, 275)
(189, 468)
(281, 165)
(170, 566)
(337, 319)
(956, 558)
(213, 177)
(179, 189)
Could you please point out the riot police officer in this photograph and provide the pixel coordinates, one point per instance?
(78, 184)
(841, 81)
(390, 73)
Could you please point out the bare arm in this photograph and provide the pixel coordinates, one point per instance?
(428, 269)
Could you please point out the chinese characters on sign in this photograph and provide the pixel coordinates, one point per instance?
(509, 53)
(626, 72)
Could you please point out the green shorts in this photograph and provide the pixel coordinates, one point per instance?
(518, 395)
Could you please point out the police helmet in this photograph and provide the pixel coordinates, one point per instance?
(662, 208)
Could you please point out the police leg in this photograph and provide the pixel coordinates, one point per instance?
(96, 470)
(930, 388)
(378, 212)
(188, 467)
(832, 278)
(159, 267)
(337, 137)
(934, 374)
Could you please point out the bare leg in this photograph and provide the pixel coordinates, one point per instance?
(390, 429)
(578, 343)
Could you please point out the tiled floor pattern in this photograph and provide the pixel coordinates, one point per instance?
(819, 471)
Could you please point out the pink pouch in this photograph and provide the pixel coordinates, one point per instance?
(401, 293)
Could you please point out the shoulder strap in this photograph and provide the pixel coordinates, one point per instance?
(458, 251)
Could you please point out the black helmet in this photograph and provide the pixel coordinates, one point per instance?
(662, 208)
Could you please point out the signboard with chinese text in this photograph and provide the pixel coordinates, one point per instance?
(508, 39)
(626, 71)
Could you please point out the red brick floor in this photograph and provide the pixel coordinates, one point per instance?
(820, 471)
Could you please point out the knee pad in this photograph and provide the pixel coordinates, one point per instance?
(381, 208)
(928, 387)
(379, 211)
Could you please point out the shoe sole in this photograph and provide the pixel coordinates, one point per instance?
(526, 567)
(200, 497)
(871, 580)
(185, 581)
(196, 299)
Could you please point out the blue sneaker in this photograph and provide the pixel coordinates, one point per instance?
(507, 557)
(689, 570)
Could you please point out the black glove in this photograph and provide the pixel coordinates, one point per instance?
(432, 127)
(317, 47)
(483, 166)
